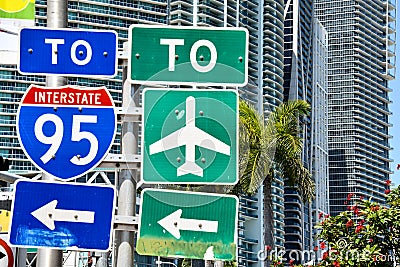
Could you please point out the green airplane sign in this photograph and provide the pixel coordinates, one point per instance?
(190, 136)
(188, 225)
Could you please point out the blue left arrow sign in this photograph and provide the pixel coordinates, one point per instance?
(68, 52)
(62, 215)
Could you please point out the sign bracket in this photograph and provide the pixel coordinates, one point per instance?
(126, 223)
(130, 114)
(121, 161)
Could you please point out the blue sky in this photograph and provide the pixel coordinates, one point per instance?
(395, 118)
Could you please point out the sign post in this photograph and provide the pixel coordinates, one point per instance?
(57, 17)
(7, 254)
(190, 136)
(204, 227)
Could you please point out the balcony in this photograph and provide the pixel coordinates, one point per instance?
(389, 40)
(389, 28)
(390, 4)
(389, 75)
(181, 17)
(391, 16)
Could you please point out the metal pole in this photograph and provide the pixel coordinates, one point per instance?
(127, 183)
(49, 258)
(102, 261)
(21, 257)
(57, 17)
(158, 262)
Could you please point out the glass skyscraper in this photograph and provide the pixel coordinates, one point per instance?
(305, 79)
(360, 65)
(263, 19)
(319, 129)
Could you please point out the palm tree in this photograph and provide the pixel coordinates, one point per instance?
(273, 149)
(256, 147)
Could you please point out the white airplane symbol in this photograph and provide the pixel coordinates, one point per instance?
(189, 136)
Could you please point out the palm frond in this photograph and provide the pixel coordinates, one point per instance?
(258, 150)
(277, 143)
(289, 146)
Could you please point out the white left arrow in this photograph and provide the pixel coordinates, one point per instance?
(173, 223)
(48, 214)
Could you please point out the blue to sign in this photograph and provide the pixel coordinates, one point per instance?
(66, 131)
(62, 215)
(67, 52)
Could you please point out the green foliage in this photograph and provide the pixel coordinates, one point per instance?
(184, 263)
(274, 146)
(256, 149)
(286, 122)
(230, 264)
(368, 234)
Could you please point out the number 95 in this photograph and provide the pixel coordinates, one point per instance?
(76, 136)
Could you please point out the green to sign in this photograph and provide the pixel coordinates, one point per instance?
(188, 225)
(188, 55)
(190, 136)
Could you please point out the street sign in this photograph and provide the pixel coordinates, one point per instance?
(66, 131)
(62, 215)
(190, 136)
(188, 225)
(188, 55)
(68, 52)
(6, 252)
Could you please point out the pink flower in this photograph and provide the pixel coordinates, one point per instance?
(387, 191)
(322, 245)
(388, 182)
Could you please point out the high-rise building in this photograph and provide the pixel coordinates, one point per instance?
(264, 21)
(360, 65)
(305, 79)
(319, 128)
(298, 84)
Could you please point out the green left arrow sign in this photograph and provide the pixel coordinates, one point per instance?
(189, 225)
